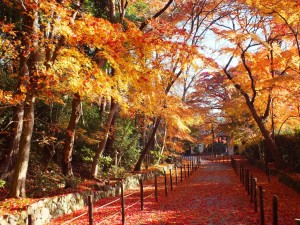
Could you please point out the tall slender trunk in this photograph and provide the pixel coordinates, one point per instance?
(109, 147)
(112, 134)
(163, 144)
(272, 148)
(138, 165)
(30, 58)
(7, 166)
(71, 131)
(100, 149)
(19, 177)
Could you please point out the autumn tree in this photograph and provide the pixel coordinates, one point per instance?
(253, 41)
(44, 60)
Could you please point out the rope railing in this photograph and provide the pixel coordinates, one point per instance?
(162, 183)
(97, 208)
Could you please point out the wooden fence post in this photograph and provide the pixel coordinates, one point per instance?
(166, 185)
(171, 180)
(255, 194)
(261, 206)
(275, 210)
(248, 181)
(240, 173)
(30, 222)
(243, 175)
(176, 175)
(251, 187)
(90, 208)
(180, 173)
(122, 202)
(155, 188)
(142, 194)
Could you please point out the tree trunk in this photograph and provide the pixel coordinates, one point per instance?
(138, 165)
(163, 144)
(100, 149)
(19, 177)
(30, 58)
(271, 147)
(112, 135)
(71, 131)
(10, 160)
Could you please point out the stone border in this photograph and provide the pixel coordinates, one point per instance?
(50, 208)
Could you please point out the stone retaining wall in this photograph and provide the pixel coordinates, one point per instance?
(50, 208)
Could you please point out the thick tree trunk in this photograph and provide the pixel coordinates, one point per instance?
(7, 166)
(100, 149)
(71, 131)
(138, 165)
(19, 177)
(272, 148)
(30, 58)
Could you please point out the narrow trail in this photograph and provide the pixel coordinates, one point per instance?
(212, 195)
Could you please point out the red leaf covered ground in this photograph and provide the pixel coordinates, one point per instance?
(211, 195)
(288, 199)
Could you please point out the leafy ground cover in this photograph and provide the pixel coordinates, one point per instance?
(46, 184)
(211, 195)
(288, 199)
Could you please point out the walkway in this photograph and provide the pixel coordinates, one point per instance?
(212, 195)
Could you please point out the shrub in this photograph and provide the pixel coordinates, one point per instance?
(2, 183)
(72, 182)
(116, 172)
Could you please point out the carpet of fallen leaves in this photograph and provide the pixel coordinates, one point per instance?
(288, 199)
(211, 195)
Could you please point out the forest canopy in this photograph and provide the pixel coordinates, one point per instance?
(120, 84)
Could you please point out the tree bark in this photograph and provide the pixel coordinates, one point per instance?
(100, 149)
(138, 165)
(19, 177)
(112, 129)
(30, 58)
(272, 148)
(7, 166)
(71, 131)
(163, 144)
(111, 137)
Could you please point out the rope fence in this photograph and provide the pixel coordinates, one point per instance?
(161, 184)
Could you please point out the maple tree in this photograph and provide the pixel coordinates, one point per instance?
(253, 41)
(189, 26)
(31, 85)
(149, 63)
